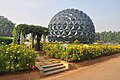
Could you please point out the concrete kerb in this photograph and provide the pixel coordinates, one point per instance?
(66, 64)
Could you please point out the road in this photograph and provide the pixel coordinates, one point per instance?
(105, 70)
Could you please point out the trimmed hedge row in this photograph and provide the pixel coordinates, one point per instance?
(6, 40)
(75, 53)
(16, 58)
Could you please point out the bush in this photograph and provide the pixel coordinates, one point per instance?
(80, 52)
(55, 50)
(6, 40)
(16, 58)
(76, 42)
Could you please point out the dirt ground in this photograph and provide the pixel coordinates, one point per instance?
(27, 75)
(105, 68)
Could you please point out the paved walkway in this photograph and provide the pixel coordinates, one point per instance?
(106, 70)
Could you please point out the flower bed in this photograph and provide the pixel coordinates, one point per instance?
(16, 58)
(80, 52)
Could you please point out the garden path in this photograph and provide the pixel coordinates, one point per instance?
(105, 70)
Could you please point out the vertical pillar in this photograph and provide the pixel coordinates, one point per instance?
(33, 40)
(44, 42)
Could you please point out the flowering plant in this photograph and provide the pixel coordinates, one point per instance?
(75, 52)
(16, 58)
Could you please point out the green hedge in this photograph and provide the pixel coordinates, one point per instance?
(16, 58)
(75, 53)
(6, 40)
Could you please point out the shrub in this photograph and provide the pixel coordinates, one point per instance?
(55, 50)
(80, 52)
(6, 40)
(76, 42)
(16, 58)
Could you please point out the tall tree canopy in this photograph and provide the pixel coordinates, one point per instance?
(6, 26)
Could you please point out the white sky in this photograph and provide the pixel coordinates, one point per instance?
(104, 13)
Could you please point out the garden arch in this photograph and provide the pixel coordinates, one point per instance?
(26, 29)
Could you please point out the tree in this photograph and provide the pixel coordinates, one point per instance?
(6, 26)
(112, 37)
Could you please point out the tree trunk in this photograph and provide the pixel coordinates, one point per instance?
(18, 40)
(38, 41)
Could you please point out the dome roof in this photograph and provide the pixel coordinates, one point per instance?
(70, 25)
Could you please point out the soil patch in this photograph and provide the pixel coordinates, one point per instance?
(24, 75)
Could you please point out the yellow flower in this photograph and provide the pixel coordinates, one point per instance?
(18, 52)
(2, 42)
(6, 52)
(7, 49)
(25, 54)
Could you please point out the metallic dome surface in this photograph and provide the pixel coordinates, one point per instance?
(69, 25)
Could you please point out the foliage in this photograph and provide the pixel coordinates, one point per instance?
(26, 29)
(15, 35)
(6, 26)
(54, 50)
(16, 58)
(35, 45)
(80, 52)
(6, 40)
(76, 42)
(112, 37)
